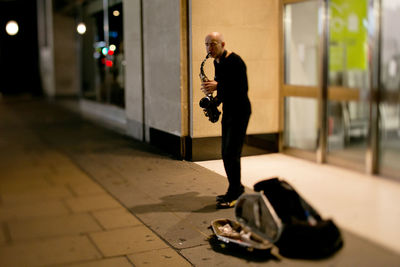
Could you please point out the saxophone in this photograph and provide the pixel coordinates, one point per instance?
(202, 75)
(208, 103)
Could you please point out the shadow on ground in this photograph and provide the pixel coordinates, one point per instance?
(186, 202)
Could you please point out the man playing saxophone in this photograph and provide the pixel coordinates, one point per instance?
(231, 85)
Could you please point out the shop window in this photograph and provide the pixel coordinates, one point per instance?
(103, 62)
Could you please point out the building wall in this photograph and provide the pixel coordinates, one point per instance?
(57, 52)
(46, 47)
(161, 66)
(161, 39)
(133, 68)
(65, 55)
(250, 30)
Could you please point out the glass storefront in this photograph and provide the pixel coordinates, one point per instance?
(341, 98)
(301, 75)
(102, 65)
(389, 107)
(348, 82)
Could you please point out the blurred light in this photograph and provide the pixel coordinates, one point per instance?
(113, 34)
(113, 47)
(96, 55)
(116, 13)
(110, 52)
(81, 28)
(12, 27)
(104, 51)
(99, 44)
(109, 63)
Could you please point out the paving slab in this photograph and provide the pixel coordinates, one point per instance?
(3, 239)
(115, 218)
(86, 189)
(116, 261)
(44, 227)
(48, 252)
(35, 194)
(92, 203)
(161, 257)
(126, 241)
(33, 210)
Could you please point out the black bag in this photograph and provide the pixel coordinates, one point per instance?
(304, 234)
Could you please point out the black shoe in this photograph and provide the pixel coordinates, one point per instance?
(229, 196)
(229, 199)
(226, 204)
(220, 197)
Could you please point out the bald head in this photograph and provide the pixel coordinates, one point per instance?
(215, 44)
(216, 36)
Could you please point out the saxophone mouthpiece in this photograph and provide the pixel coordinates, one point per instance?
(208, 55)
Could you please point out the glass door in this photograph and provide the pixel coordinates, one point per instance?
(341, 83)
(301, 77)
(389, 107)
(348, 83)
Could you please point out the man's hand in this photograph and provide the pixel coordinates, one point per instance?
(209, 87)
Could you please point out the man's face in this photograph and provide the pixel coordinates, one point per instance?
(214, 46)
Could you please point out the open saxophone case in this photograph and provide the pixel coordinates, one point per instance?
(277, 216)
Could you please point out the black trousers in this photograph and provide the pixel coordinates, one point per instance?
(233, 135)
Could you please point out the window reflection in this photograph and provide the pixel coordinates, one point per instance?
(103, 60)
(301, 126)
(389, 108)
(348, 105)
(348, 45)
(301, 69)
(301, 43)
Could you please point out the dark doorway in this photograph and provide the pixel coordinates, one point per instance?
(19, 65)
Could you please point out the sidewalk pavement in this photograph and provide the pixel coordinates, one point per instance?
(73, 193)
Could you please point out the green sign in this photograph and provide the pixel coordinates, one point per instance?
(348, 35)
